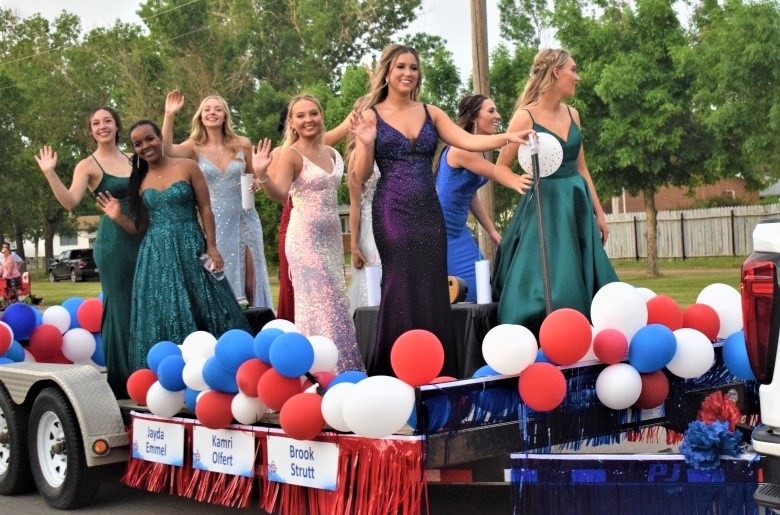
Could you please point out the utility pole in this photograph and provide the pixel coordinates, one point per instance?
(481, 79)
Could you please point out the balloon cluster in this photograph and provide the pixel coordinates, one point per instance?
(649, 331)
(69, 333)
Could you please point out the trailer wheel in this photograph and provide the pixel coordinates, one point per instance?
(59, 466)
(15, 475)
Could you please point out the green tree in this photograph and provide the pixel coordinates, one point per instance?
(441, 79)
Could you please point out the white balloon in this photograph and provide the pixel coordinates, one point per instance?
(727, 303)
(198, 344)
(694, 356)
(333, 405)
(646, 293)
(163, 403)
(509, 349)
(57, 316)
(247, 410)
(619, 386)
(378, 406)
(78, 344)
(28, 357)
(618, 306)
(326, 354)
(591, 354)
(550, 155)
(283, 325)
(192, 374)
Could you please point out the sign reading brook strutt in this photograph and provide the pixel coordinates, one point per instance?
(304, 463)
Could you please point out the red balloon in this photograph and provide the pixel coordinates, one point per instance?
(6, 338)
(213, 409)
(664, 310)
(90, 315)
(248, 375)
(443, 379)
(542, 386)
(565, 336)
(610, 346)
(138, 384)
(655, 389)
(703, 318)
(417, 357)
(274, 389)
(324, 378)
(301, 416)
(45, 342)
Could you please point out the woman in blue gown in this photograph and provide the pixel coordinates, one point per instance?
(173, 294)
(401, 134)
(459, 174)
(574, 223)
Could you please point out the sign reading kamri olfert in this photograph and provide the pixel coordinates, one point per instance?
(223, 450)
(304, 463)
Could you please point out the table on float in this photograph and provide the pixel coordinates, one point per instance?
(471, 322)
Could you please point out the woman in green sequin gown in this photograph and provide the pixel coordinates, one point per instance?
(173, 294)
(106, 170)
(574, 223)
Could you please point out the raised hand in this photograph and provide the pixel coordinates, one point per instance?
(363, 128)
(261, 158)
(47, 159)
(109, 205)
(174, 102)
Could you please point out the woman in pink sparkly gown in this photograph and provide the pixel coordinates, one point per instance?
(310, 173)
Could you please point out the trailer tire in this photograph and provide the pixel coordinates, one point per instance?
(15, 474)
(57, 459)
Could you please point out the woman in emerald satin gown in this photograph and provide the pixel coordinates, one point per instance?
(106, 170)
(574, 223)
(173, 294)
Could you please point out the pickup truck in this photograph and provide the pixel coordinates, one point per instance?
(75, 264)
(761, 313)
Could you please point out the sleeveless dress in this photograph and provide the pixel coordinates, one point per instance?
(456, 188)
(286, 309)
(578, 265)
(358, 289)
(411, 239)
(115, 254)
(173, 295)
(315, 255)
(237, 229)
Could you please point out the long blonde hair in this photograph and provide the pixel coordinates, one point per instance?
(290, 135)
(378, 91)
(198, 133)
(542, 78)
(360, 105)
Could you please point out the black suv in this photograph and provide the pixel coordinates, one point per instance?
(76, 264)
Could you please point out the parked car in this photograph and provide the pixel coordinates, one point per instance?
(76, 264)
(761, 314)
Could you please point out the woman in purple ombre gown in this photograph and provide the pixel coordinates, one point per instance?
(401, 134)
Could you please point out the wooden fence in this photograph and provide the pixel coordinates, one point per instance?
(722, 231)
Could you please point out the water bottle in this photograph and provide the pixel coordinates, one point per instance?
(208, 264)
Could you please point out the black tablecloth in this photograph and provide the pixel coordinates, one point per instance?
(470, 324)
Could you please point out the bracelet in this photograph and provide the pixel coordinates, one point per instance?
(262, 181)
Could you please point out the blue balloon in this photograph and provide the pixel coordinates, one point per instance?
(218, 377)
(100, 295)
(15, 352)
(5, 361)
(350, 376)
(38, 317)
(72, 305)
(485, 371)
(652, 348)
(263, 341)
(541, 357)
(735, 357)
(291, 354)
(21, 318)
(190, 397)
(169, 373)
(233, 348)
(159, 352)
(98, 357)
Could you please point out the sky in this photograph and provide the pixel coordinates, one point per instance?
(449, 19)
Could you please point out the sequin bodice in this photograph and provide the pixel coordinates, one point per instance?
(171, 206)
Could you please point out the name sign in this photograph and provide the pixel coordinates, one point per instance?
(223, 450)
(158, 441)
(303, 463)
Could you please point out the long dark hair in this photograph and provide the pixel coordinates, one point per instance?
(468, 111)
(140, 169)
(113, 114)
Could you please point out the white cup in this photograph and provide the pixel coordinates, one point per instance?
(484, 291)
(373, 284)
(247, 197)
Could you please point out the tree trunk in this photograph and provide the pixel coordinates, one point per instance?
(49, 230)
(18, 234)
(651, 213)
(481, 79)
